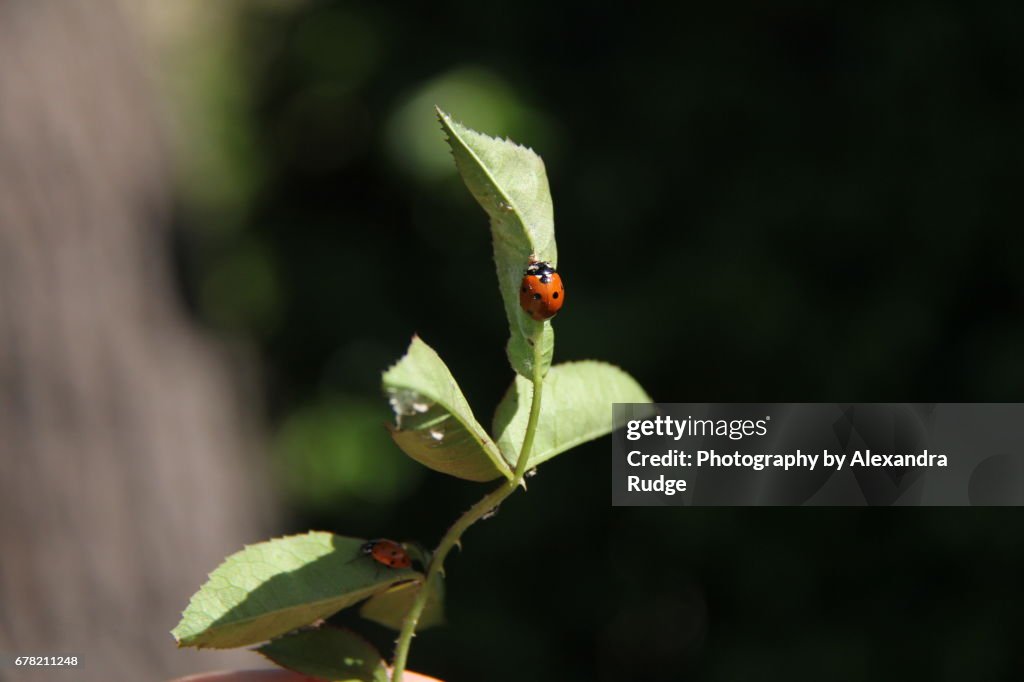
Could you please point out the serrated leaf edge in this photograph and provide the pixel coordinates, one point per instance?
(353, 633)
(446, 125)
(182, 642)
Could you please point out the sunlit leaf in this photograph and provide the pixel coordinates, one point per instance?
(434, 424)
(576, 406)
(273, 587)
(511, 184)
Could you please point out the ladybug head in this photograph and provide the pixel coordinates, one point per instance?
(540, 269)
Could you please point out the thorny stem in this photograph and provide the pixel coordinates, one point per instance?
(474, 514)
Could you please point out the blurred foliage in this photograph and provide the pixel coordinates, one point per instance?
(327, 457)
(479, 95)
(757, 202)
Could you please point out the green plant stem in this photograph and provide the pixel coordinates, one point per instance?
(472, 515)
(531, 425)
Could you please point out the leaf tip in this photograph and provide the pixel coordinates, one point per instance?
(183, 640)
(446, 121)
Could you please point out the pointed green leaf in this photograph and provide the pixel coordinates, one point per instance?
(389, 608)
(434, 424)
(328, 653)
(511, 185)
(576, 407)
(270, 588)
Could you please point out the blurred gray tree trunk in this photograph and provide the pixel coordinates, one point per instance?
(126, 472)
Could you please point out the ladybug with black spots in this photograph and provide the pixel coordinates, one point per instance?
(541, 293)
(387, 552)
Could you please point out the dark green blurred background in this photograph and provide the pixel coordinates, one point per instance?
(753, 203)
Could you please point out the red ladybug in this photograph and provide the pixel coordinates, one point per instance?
(541, 294)
(387, 552)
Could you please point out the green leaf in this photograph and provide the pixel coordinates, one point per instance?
(511, 185)
(434, 423)
(328, 653)
(520, 350)
(270, 588)
(418, 553)
(389, 608)
(576, 407)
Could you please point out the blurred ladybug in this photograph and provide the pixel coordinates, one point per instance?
(387, 552)
(541, 293)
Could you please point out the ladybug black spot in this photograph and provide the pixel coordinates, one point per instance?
(536, 297)
(554, 295)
